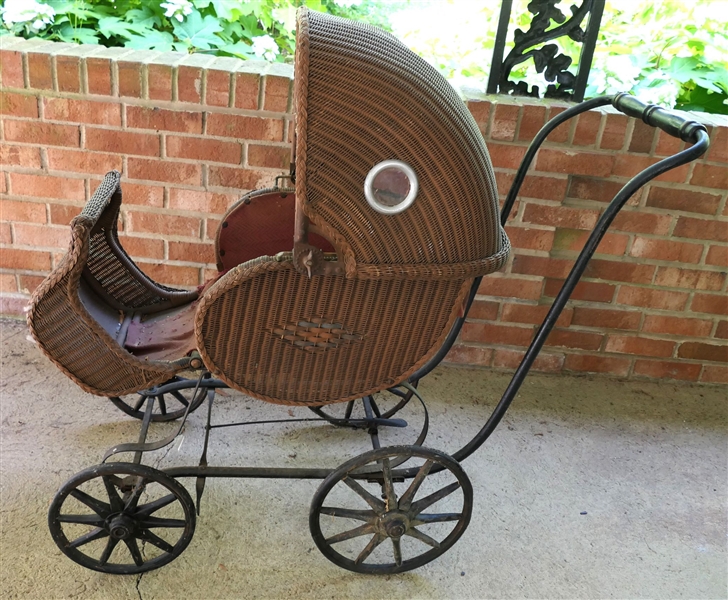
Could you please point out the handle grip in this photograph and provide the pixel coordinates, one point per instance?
(676, 125)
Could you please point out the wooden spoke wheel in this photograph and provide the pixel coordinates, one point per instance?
(168, 406)
(366, 518)
(122, 518)
(384, 405)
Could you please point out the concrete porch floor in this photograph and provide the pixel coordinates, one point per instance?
(647, 462)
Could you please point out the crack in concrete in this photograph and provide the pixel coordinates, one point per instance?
(138, 581)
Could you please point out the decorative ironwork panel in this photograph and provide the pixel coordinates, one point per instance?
(548, 23)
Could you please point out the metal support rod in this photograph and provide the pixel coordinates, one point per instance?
(144, 430)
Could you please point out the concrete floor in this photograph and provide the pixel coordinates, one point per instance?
(647, 462)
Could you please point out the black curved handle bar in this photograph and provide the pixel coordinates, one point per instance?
(671, 123)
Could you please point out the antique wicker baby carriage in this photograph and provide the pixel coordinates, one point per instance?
(357, 281)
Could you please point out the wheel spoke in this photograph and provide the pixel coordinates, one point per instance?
(94, 534)
(182, 400)
(106, 554)
(147, 509)
(131, 502)
(139, 403)
(397, 552)
(131, 543)
(157, 522)
(95, 520)
(406, 500)
(100, 507)
(155, 540)
(349, 409)
(352, 533)
(162, 404)
(117, 504)
(375, 503)
(423, 537)
(373, 543)
(388, 485)
(347, 513)
(436, 518)
(375, 408)
(421, 505)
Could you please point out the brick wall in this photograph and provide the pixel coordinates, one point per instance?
(190, 133)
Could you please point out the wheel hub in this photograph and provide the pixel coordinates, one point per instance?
(121, 527)
(394, 524)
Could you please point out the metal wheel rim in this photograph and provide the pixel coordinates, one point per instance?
(137, 410)
(148, 475)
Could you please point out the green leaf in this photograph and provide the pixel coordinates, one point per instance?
(683, 69)
(151, 40)
(111, 26)
(198, 32)
(143, 16)
(238, 49)
(77, 35)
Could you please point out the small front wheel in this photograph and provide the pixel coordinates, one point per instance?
(168, 406)
(366, 518)
(122, 518)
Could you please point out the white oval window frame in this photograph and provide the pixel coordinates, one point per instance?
(409, 199)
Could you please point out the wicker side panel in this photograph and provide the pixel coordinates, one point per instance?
(362, 97)
(282, 337)
(78, 346)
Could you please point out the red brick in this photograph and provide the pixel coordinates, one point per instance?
(130, 79)
(548, 188)
(690, 278)
(667, 145)
(511, 287)
(28, 283)
(63, 214)
(588, 188)
(703, 351)
(716, 304)
(192, 252)
(541, 265)
(491, 333)
(82, 111)
(45, 134)
(533, 119)
(712, 176)
(587, 128)
(18, 105)
(164, 170)
(560, 216)
(714, 374)
(6, 236)
(687, 200)
(651, 298)
(484, 310)
(636, 222)
(39, 71)
(68, 73)
(143, 247)
(172, 274)
(277, 92)
(12, 69)
(574, 163)
(80, 161)
(677, 326)
(204, 150)
(503, 182)
(591, 363)
(20, 156)
(163, 224)
(144, 195)
(629, 165)
(272, 157)
(559, 135)
(666, 250)
(141, 117)
(721, 331)
(504, 156)
(533, 314)
(217, 88)
(189, 84)
(242, 179)
(579, 340)
(615, 132)
(7, 283)
(659, 369)
(545, 362)
(159, 82)
(530, 239)
(47, 186)
(211, 227)
(247, 86)
(639, 346)
(702, 229)
(27, 260)
(204, 202)
(642, 137)
(504, 122)
(616, 270)
(98, 76)
(44, 236)
(470, 355)
(584, 290)
(603, 318)
(717, 255)
(122, 142)
(252, 128)
(718, 144)
(574, 240)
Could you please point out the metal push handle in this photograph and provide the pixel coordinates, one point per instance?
(656, 116)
